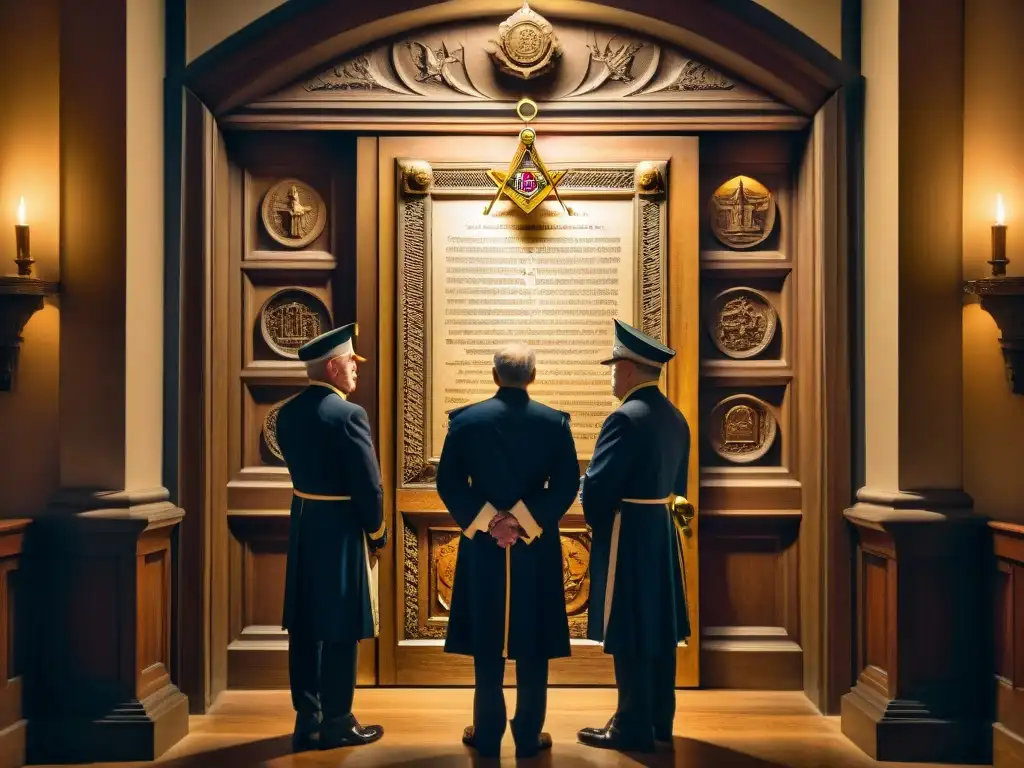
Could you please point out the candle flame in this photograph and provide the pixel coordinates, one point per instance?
(21, 212)
(1000, 211)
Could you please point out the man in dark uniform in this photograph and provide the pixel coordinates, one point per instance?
(508, 473)
(637, 601)
(337, 525)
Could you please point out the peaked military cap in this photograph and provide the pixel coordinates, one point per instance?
(631, 344)
(331, 344)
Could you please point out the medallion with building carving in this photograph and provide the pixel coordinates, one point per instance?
(743, 429)
(292, 317)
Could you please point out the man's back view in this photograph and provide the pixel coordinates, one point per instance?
(508, 473)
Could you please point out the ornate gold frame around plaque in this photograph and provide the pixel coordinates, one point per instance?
(288, 324)
(526, 47)
(742, 212)
(743, 429)
(527, 182)
(293, 213)
(741, 322)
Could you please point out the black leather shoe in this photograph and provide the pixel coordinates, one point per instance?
(306, 735)
(469, 739)
(531, 750)
(347, 732)
(610, 737)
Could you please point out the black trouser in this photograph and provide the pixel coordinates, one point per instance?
(489, 701)
(647, 694)
(322, 676)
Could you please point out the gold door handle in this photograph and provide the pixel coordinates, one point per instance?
(684, 512)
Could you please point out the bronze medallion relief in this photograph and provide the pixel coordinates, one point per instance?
(526, 46)
(742, 212)
(741, 322)
(292, 317)
(293, 213)
(743, 429)
(270, 429)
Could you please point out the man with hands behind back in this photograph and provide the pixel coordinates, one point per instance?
(508, 473)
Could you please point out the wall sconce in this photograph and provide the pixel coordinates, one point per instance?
(21, 296)
(1003, 298)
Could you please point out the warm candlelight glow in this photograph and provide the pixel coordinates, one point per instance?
(21, 212)
(1000, 211)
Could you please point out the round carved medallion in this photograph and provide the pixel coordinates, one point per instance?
(526, 43)
(270, 429)
(741, 322)
(742, 429)
(294, 214)
(292, 317)
(575, 573)
(445, 557)
(742, 212)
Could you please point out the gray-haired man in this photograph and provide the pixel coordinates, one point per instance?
(508, 473)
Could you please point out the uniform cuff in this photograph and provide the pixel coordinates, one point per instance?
(482, 520)
(526, 521)
(379, 533)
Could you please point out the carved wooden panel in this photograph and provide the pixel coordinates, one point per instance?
(13, 636)
(467, 66)
(430, 546)
(1008, 644)
(153, 585)
(289, 269)
(750, 615)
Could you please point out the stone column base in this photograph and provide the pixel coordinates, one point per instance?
(102, 689)
(920, 629)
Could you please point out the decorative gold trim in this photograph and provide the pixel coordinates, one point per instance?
(319, 496)
(649, 181)
(417, 177)
(638, 387)
(379, 533)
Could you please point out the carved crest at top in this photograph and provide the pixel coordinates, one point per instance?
(473, 63)
(526, 46)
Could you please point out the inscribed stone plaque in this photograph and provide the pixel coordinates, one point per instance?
(551, 280)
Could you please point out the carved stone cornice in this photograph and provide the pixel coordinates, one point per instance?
(464, 67)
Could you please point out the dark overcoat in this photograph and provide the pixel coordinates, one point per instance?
(337, 516)
(637, 595)
(508, 449)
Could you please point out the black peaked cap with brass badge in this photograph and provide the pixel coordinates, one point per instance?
(340, 341)
(637, 346)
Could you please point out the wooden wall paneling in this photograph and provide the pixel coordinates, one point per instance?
(103, 689)
(752, 513)
(13, 638)
(751, 615)
(1007, 579)
(361, 240)
(256, 511)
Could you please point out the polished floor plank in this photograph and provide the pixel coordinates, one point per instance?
(714, 729)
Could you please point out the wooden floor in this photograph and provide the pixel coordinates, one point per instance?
(423, 727)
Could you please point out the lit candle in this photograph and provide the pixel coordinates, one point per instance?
(999, 260)
(24, 259)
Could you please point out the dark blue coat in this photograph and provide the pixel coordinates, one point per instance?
(508, 602)
(330, 591)
(643, 453)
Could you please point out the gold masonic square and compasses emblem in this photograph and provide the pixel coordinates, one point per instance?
(527, 182)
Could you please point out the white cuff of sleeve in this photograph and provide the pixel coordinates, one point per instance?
(482, 520)
(525, 519)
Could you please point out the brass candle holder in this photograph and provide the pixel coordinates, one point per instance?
(999, 260)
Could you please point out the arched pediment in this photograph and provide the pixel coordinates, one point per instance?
(740, 56)
(565, 66)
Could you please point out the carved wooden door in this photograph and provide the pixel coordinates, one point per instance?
(435, 273)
